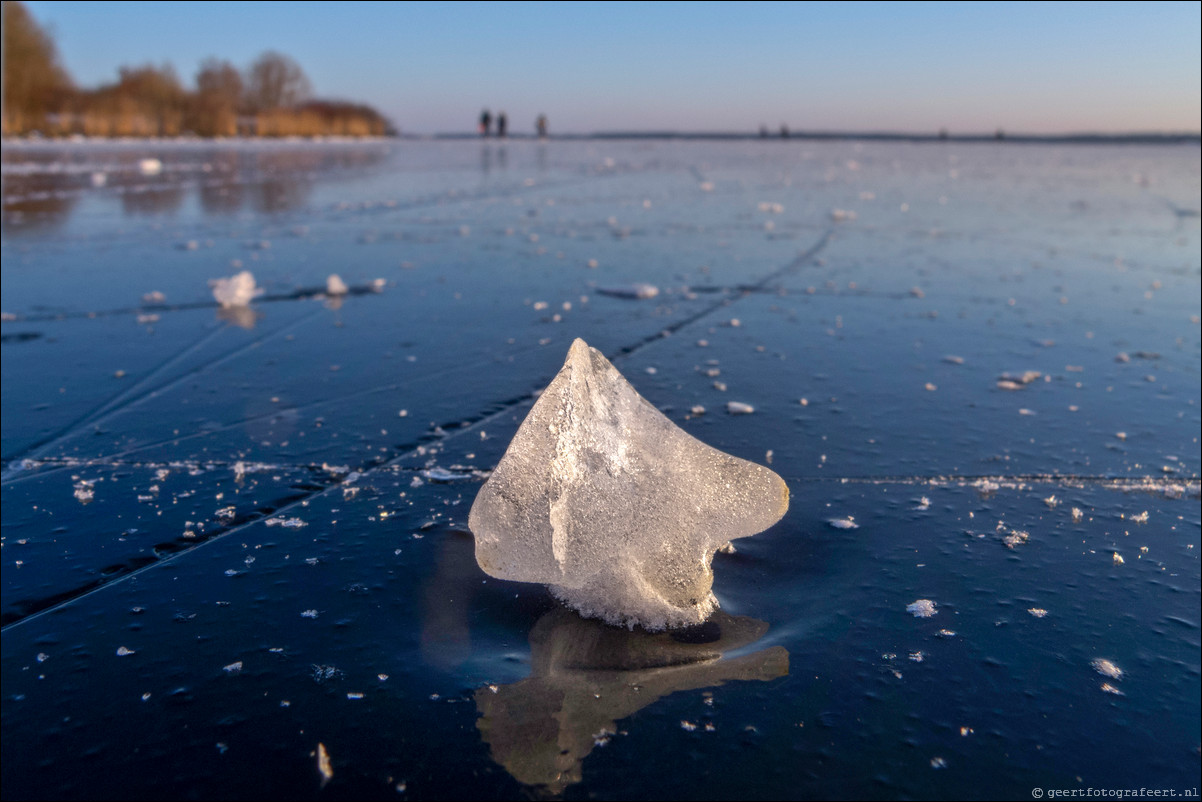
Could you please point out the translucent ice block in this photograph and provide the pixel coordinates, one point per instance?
(615, 507)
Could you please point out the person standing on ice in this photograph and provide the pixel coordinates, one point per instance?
(541, 126)
(502, 124)
(485, 123)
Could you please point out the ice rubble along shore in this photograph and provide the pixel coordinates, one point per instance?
(614, 506)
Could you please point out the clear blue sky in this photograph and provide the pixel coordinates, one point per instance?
(431, 67)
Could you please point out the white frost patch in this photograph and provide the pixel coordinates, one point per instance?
(923, 608)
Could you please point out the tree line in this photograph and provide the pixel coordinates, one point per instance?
(271, 98)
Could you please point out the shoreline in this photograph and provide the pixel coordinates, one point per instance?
(681, 136)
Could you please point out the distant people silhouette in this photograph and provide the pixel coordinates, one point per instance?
(784, 131)
(502, 124)
(540, 125)
(485, 123)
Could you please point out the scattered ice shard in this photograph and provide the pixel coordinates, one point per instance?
(237, 290)
(615, 507)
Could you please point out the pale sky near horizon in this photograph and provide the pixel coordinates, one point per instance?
(908, 67)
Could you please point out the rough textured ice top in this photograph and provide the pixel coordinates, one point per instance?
(614, 506)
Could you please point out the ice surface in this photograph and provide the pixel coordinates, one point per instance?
(237, 290)
(615, 507)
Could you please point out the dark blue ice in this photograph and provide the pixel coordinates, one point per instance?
(231, 536)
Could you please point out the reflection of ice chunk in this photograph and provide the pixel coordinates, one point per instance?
(614, 506)
(585, 677)
(237, 290)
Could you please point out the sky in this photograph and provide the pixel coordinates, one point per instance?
(1039, 68)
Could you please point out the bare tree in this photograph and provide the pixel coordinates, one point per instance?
(158, 95)
(35, 84)
(220, 79)
(275, 81)
(219, 90)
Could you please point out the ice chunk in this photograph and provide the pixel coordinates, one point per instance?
(615, 507)
(335, 285)
(237, 290)
(923, 608)
(633, 291)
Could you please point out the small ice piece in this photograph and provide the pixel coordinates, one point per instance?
(1106, 668)
(233, 668)
(150, 166)
(1077, 515)
(637, 291)
(923, 608)
(291, 523)
(335, 285)
(617, 509)
(844, 523)
(739, 408)
(85, 491)
(237, 290)
(1118, 558)
(323, 764)
(1108, 688)
(1038, 612)
(153, 297)
(1016, 537)
(1017, 381)
(443, 475)
(842, 215)
(122, 651)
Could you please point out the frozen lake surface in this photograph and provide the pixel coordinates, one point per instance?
(236, 561)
